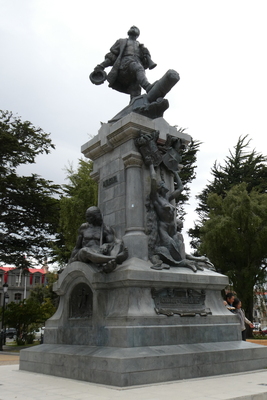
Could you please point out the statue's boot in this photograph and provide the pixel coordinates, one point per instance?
(142, 80)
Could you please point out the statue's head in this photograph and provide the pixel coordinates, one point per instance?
(93, 216)
(133, 31)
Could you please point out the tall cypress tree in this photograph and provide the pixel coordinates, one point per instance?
(241, 165)
(187, 173)
(234, 237)
(232, 211)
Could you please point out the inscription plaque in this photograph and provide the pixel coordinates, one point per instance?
(110, 181)
(81, 301)
(185, 302)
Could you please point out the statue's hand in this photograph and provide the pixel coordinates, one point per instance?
(122, 256)
(99, 68)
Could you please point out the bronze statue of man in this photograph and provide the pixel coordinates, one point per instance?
(128, 59)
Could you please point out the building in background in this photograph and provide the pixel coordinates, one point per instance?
(21, 281)
(260, 308)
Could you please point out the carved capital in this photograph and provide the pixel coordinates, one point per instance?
(95, 176)
(132, 159)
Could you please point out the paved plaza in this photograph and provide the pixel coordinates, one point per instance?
(21, 385)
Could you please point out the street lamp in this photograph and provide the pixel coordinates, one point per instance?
(3, 330)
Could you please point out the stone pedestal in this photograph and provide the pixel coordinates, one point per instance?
(123, 179)
(136, 325)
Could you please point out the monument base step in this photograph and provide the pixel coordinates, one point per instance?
(124, 367)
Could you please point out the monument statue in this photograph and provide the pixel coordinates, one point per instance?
(96, 243)
(166, 244)
(157, 317)
(171, 158)
(129, 59)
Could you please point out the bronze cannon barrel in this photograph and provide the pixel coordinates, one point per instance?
(163, 85)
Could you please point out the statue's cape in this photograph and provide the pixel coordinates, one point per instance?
(113, 74)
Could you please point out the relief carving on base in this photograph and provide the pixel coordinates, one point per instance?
(185, 302)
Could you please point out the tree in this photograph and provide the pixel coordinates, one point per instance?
(188, 173)
(21, 316)
(26, 316)
(240, 166)
(234, 237)
(79, 194)
(28, 206)
(44, 293)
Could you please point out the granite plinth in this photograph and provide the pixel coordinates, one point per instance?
(125, 341)
(124, 312)
(142, 365)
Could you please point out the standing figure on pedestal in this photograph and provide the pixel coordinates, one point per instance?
(172, 161)
(96, 243)
(165, 245)
(169, 249)
(128, 59)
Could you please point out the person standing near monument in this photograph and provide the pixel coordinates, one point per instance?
(128, 59)
(229, 299)
(242, 318)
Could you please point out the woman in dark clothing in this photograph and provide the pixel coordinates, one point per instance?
(241, 315)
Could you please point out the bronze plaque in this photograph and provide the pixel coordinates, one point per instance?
(185, 302)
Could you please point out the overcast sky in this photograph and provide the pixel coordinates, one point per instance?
(49, 47)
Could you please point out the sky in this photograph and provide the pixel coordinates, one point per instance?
(49, 48)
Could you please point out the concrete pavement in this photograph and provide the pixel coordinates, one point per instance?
(22, 385)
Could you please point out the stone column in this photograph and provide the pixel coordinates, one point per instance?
(135, 238)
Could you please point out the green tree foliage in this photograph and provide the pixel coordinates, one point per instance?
(48, 309)
(242, 165)
(26, 315)
(79, 194)
(187, 173)
(20, 142)
(28, 207)
(234, 237)
(30, 314)
(44, 293)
